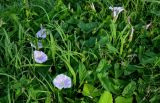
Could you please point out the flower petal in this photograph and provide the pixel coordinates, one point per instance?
(41, 33)
(116, 10)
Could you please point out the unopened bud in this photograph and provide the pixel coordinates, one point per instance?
(147, 26)
(131, 35)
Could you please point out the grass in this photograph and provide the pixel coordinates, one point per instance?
(106, 61)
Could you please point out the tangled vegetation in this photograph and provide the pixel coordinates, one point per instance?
(105, 55)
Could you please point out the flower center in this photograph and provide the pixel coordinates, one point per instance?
(39, 55)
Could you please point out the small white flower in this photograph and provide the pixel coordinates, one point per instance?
(62, 81)
(116, 10)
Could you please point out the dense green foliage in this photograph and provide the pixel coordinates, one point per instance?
(104, 59)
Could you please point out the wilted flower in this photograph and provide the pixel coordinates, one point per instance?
(116, 10)
(40, 57)
(39, 44)
(131, 35)
(62, 81)
(41, 33)
(148, 25)
(129, 20)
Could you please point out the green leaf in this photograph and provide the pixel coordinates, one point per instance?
(103, 66)
(60, 97)
(32, 93)
(53, 47)
(148, 60)
(90, 91)
(4, 99)
(69, 100)
(121, 99)
(72, 20)
(106, 97)
(82, 73)
(117, 70)
(153, 1)
(70, 69)
(90, 42)
(131, 68)
(112, 49)
(87, 27)
(155, 99)
(103, 40)
(107, 83)
(48, 98)
(129, 89)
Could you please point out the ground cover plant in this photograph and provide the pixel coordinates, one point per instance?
(79, 51)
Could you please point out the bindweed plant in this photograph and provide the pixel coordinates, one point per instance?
(95, 51)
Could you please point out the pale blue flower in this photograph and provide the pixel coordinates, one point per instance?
(62, 81)
(41, 33)
(40, 57)
(39, 45)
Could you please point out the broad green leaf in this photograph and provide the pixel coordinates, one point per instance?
(117, 70)
(87, 27)
(24, 81)
(104, 37)
(103, 40)
(106, 97)
(32, 93)
(121, 99)
(101, 65)
(112, 49)
(107, 83)
(90, 42)
(82, 73)
(129, 89)
(131, 68)
(90, 91)
(141, 86)
(148, 60)
(72, 20)
(18, 93)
